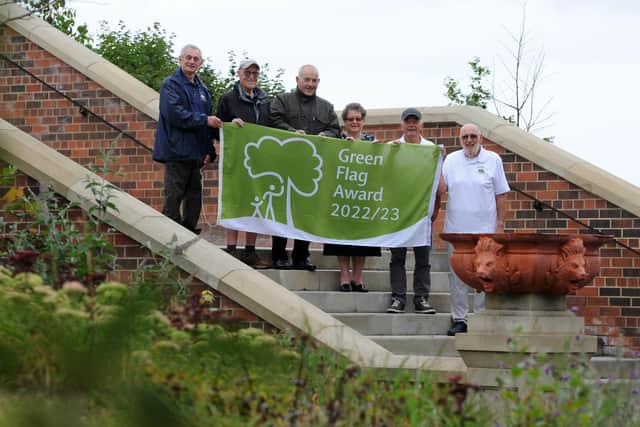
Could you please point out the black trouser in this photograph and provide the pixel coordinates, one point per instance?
(182, 185)
(421, 274)
(279, 249)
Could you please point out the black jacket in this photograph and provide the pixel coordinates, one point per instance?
(294, 110)
(235, 104)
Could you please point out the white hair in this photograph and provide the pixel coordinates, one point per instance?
(190, 46)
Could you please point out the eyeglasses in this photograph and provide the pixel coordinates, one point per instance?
(471, 135)
(353, 119)
(248, 73)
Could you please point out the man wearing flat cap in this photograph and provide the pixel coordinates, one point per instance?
(246, 102)
(411, 124)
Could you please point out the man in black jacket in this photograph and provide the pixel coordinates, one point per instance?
(184, 138)
(246, 102)
(303, 112)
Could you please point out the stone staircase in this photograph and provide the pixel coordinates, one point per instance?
(406, 333)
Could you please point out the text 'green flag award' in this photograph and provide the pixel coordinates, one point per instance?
(325, 189)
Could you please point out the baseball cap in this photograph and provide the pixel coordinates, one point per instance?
(245, 63)
(411, 112)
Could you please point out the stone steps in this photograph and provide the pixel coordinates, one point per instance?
(433, 345)
(371, 302)
(396, 324)
(417, 334)
(439, 260)
(329, 280)
(405, 333)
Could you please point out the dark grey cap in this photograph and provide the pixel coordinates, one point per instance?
(246, 63)
(411, 112)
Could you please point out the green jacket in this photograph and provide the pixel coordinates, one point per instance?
(294, 110)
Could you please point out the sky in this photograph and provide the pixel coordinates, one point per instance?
(394, 54)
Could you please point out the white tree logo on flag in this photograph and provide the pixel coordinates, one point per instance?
(261, 163)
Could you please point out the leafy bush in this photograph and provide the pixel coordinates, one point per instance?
(102, 354)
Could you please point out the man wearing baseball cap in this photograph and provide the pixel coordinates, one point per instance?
(246, 102)
(411, 124)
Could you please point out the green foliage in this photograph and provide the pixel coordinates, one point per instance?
(158, 274)
(73, 356)
(477, 94)
(56, 13)
(146, 55)
(47, 228)
(61, 245)
(553, 390)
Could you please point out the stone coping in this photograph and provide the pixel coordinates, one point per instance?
(254, 291)
(575, 170)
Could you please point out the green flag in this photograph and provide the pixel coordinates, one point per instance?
(325, 189)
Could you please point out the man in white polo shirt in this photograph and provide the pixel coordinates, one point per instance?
(477, 187)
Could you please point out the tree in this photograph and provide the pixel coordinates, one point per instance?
(148, 56)
(56, 13)
(514, 98)
(145, 54)
(477, 96)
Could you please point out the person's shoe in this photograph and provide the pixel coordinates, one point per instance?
(458, 327)
(422, 306)
(358, 287)
(304, 265)
(345, 287)
(396, 306)
(281, 264)
(253, 260)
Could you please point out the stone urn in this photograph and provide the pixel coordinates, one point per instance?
(526, 277)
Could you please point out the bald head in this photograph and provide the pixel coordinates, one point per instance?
(470, 137)
(307, 68)
(308, 79)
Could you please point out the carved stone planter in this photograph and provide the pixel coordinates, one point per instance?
(526, 278)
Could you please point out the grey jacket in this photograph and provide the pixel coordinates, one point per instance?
(294, 110)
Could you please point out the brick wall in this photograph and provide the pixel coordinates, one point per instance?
(611, 307)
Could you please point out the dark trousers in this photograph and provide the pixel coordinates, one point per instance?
(421, 274)
(182, 186)
(279, 249)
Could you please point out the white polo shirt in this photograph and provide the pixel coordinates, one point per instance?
(422, 141)
(472, 185)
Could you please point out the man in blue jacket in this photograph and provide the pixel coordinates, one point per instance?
(184, 138)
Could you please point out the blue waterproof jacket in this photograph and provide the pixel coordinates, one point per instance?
(182, 132)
